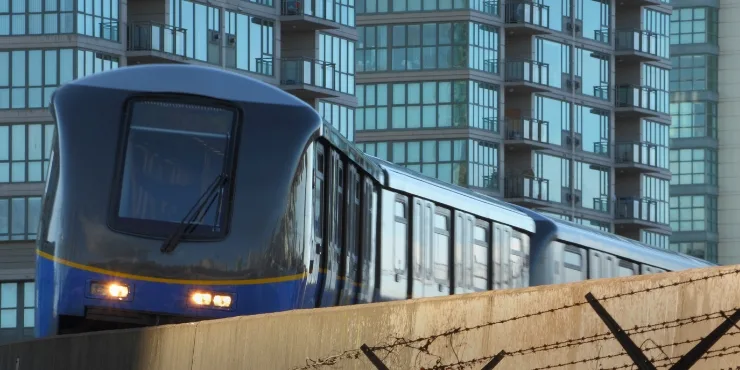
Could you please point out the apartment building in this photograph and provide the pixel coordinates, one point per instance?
(305, 47)
(561, 106)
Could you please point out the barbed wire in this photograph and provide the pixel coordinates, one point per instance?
(423, 343)
(464, 364)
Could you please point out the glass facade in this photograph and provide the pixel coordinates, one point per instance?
(17, 310)
(95, 18)
(469, 163)
(29, 77)
(341, 117)
(19, 217)
(591, 131)
(694, 81)
(340, 53)
(428, 46)
(24, 151)
(591, 182)
(429, 104)
(490, 7)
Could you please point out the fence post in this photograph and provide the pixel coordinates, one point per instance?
(373, 358)
(494, 361)
(629, 346)
(692, 356)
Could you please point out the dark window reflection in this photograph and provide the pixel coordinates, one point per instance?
(174, 153)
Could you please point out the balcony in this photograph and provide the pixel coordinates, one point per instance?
(638, 157)
(303, 15)
(151, 42)
(308, 78)
(637, 46)
(526, 18)
(490, 7)
(640, 101)
(627, 4)
(526, 76)
(633, 214)
(526, 133)
(528, 191)
(490, 183)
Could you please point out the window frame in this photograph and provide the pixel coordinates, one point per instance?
(152, 229)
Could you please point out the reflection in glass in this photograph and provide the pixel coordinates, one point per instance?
(557, 57)
(173, 154)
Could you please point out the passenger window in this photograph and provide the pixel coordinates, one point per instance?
(572, 266)
(626, 268)
(400, 234)
(441, 254)
(480, 257)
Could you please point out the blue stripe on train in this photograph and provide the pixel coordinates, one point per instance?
(61, 291)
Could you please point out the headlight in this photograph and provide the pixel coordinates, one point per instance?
(117, 291)
(211, 299)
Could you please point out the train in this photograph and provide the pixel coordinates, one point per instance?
(177, 193)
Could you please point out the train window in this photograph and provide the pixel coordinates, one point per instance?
(176, 165)
(400, 233)
(572, 265)
(627, 268)
(517, 258)
(441, 253)
(480, 256)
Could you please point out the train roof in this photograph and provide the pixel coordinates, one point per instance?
(190, 79)
(572, 232)
(411, 182)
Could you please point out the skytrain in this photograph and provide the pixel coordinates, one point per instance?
(179, 193)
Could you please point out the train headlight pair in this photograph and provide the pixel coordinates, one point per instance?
(211, 299)
(111, 290)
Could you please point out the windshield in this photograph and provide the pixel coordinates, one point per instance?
(172, 154)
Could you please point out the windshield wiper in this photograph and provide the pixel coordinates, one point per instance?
(195, 214)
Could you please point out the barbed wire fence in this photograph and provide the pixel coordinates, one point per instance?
(701, 350)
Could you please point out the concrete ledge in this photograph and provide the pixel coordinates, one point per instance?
(554, 322)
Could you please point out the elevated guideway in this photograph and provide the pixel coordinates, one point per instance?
(664, 318)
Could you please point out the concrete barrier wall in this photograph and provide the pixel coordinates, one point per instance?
(548, 327)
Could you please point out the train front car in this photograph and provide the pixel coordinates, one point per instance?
(175, 193)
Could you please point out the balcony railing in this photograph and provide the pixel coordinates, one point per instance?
(308, 71)
(527, 71)
(644, 97)
(527, 187)
(490, 182)
(642, 41)
(528, 12)
(490, 124)
(640, 209)
(638, 153)
(525, 128)
(152, 36)
(109, 30)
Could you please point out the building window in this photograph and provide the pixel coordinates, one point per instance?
(658, 23)
(24, 151)
(694, 73)
(654, 200)
(694, 26)
(694, 213)
(704, 250)
(201, 23)
(460, 162)
(429, 105)
(340, 117)
(654, 239)
(693, 166)
(658, 80)
(340, 53)
(263, 2)
(28, 78)
(403, 6)
(429, 46)
(19, 217)
(693, 119)
(96, 18)
(250, 43)
(17, 310)
(654, 145)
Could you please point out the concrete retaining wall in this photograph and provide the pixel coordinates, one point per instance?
(671, 311)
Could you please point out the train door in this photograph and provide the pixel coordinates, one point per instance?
(464, 253)
(601, 265)
(502, 257)
(394, 247)
(368, 247)
(315, 278)
(348, 269)
(519, 249)
(335, 213)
